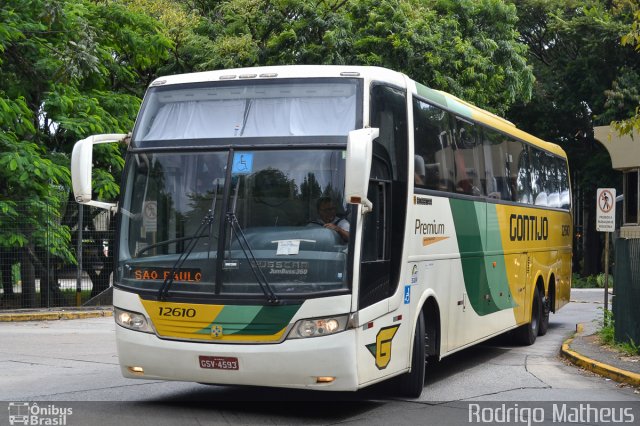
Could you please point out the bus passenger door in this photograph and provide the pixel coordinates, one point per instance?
(383, 335)
(375, 266)
(378, 340)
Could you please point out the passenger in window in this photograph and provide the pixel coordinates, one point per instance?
(327, 218)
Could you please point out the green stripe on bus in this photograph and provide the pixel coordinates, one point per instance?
(270, 320)
(498, 278)
(443, 101)
(487, 290)
(252, 320)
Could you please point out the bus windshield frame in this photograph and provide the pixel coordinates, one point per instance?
(198, 253)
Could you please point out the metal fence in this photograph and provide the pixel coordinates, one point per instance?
(39, 249)
(627, 290)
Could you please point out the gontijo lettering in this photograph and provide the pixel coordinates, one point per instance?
(524, 227)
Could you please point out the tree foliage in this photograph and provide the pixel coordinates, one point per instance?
(577, 56)
(625, 92)
(69, 68)
(469, 48)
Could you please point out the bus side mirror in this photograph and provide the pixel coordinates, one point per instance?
(82, 165)
(358, 166)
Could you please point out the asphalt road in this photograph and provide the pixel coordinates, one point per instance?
(73, 364)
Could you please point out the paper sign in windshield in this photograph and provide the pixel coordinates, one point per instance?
(287, 247)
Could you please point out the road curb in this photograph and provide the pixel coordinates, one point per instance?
(605, 370)
(54, 315)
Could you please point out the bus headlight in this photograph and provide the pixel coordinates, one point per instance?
(315, 327)
(132, 320)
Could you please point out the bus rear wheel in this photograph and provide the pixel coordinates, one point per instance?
(411, 384)
(544, 319)
(527, 333)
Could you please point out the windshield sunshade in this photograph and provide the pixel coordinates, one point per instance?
(266, 109)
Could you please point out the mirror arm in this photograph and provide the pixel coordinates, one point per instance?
(367, 206)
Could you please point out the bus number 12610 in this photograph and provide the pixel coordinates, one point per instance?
(176, 312)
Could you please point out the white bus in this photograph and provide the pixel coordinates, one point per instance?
(327, 227)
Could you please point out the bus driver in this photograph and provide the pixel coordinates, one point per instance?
(328, 219)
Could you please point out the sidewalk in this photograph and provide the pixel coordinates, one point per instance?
(584, 350)
(17, 315)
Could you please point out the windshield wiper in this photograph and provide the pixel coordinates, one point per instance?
(200, 233)
(253, 263)
(236, 230)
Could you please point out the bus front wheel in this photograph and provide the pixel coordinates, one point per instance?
(411, 384)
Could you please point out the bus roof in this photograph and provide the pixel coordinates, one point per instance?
(443, 99)
(286, 71)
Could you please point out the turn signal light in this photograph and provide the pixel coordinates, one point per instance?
(138, 371)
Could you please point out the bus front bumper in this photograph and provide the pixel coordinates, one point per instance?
(323, 363)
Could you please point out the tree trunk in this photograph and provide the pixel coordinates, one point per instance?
(27, 273)
(5, 265)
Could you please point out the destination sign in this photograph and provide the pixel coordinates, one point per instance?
(151, 274)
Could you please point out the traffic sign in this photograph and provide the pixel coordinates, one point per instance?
(606, 210)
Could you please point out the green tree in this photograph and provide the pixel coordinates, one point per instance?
(576, 54)
(70, 68)
(177, 21)
(625, 92)
(273, 32)
(469, 48)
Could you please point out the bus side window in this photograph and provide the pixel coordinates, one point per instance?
(389, 114)
(552, 182)
(519, 153)
(498, 166)
(433, 155)
(468, 159)
(563, 183)
(538, 178)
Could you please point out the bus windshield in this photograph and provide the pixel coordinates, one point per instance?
(187, 219)
(248, 109)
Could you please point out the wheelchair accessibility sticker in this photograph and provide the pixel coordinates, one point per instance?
(407, 294)
(242, 163)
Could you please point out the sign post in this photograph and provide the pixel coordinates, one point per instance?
(606, 222)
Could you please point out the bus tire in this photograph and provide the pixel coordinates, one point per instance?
(411, 384)
(544, 318)
(526, 334)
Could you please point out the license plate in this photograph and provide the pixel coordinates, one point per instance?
(219, 362)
